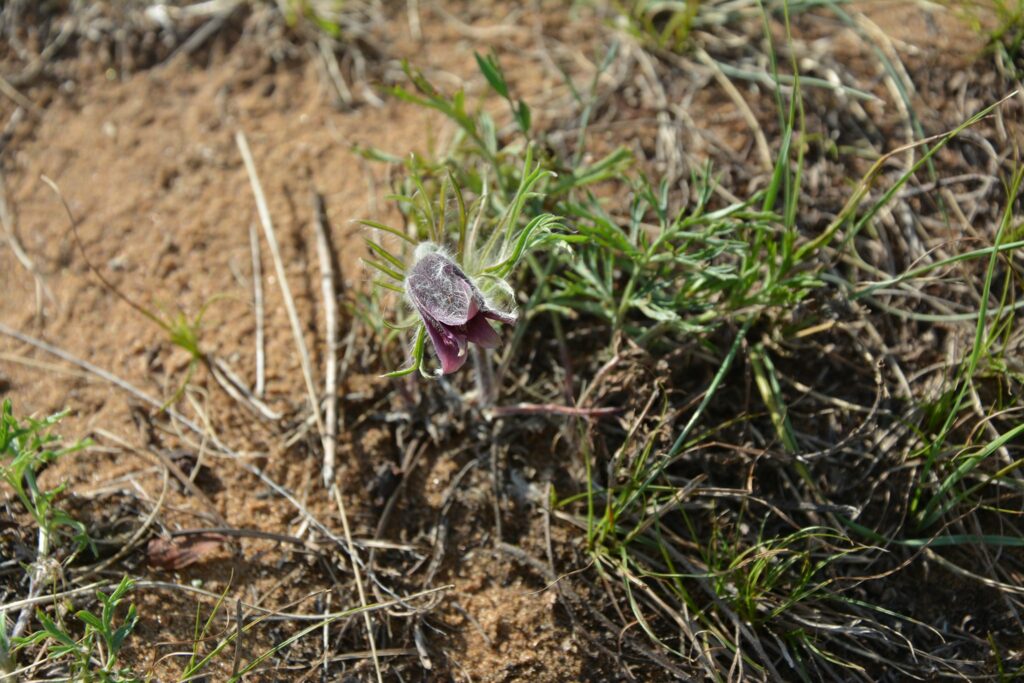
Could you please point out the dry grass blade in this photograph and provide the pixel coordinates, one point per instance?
(763, 152)
(55, 368)
(289, 301)
(334, 72)
(32, 601)
(359, 580)
(234, 387)
(257, 302)
(207, 30)
(188, 588)
(11, 92)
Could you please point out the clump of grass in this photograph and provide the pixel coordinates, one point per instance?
(663, 273)
(477, 202)
(325, 16)
(952, 490)
(670, 24)
(138, 35)
(663, 25)
(718, 518)
(26, 447)
(671, 273)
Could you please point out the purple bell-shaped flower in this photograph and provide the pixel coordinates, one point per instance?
(453, 309)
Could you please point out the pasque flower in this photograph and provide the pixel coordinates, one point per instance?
(455, 265)
(452, 307)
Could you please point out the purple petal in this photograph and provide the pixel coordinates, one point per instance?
(480, 332)
(449, 345)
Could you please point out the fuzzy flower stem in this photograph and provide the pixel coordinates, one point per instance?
(484, 376)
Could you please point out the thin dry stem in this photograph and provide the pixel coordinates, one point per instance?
(289, 301)
(234, 387)
(334, 72)
(257, 302)
(330, 433)
(359, 580)
(113, 379)
(25, 103)
(271, 614)
(7, 221)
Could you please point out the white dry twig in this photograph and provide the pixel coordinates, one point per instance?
(235, 388)
(334, 72)
(330, 435)
(257, 302)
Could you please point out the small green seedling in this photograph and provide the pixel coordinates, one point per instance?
(25, 449)
(94, 655)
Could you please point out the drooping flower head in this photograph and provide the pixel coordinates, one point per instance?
(452, 307)
(453, 288)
